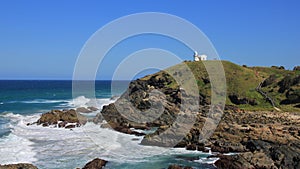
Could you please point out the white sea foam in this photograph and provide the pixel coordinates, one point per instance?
(15, 149)
(207, 160)
(82, 101)
(52, 147)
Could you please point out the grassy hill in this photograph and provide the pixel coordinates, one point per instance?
(282, 86)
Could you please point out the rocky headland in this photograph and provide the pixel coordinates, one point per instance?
(262, 135)
(260, 124)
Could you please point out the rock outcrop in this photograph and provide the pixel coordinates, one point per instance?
(18, 166)
(62, 119)
(263, 140)
(95, 164)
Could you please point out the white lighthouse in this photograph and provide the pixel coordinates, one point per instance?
(198, 57)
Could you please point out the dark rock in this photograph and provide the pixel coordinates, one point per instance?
(178, 167)
(95, 164)
(293, 96)
(201, 148)
(191, 147)
(278, 67)
(45, 124)
(62, 124)
(181, 144)
(285, 84)
(236, 100)
(18, 166)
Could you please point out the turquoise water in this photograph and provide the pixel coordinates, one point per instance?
(23, 102)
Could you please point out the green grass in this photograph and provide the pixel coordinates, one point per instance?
(240, 81)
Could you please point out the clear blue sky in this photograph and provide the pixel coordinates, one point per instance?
(42, 39)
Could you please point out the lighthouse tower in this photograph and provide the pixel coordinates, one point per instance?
(198, 57)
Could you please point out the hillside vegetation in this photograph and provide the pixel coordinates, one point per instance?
(279, 85)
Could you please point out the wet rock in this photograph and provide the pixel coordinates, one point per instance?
(62, 117)
(178, 167)
(95, 164)
(62, 124)
(18, 166)
(191, 147)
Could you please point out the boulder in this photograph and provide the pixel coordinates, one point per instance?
(95, 164)
(62, 117)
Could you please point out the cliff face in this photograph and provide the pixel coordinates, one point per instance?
(249, 125)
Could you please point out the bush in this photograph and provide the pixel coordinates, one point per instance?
(285, 84)
(297, 68)
(271, 79)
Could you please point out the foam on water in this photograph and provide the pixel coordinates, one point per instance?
(15, 148)
(49, 147)
(82, 101)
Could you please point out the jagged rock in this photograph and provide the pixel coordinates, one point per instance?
(95, 164)
(62, 117)
(18, 166)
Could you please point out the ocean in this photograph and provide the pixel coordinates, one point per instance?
(24, 101)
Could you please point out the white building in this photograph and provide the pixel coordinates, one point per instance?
(198, 57)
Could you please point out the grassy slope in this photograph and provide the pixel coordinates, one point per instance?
(241, 81)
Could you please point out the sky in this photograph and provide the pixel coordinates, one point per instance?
(43, 39)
